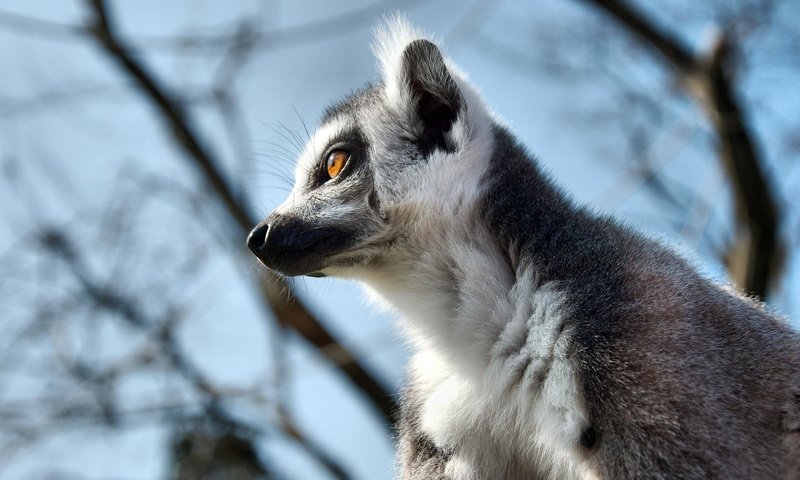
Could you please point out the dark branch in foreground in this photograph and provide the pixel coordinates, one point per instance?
(288, 309)
(754, 258)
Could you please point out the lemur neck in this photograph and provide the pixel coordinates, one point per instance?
(447, 297)
(454, 286)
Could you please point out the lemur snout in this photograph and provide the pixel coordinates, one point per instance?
(292, 246)
(280, 236)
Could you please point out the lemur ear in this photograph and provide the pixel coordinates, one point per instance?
(435, 97)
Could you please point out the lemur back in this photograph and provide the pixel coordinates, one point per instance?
(549, 342)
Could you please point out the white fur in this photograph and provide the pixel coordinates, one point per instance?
(392, 36)
(498, 382)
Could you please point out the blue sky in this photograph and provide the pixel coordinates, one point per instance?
(73, 152)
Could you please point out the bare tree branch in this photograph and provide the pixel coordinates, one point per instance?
(293, 432)
(302, 34)
(39, 28)
(125, 307)
(288, 309)
(753, 260)
(203, 452)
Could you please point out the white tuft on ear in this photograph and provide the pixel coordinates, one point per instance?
(392, 36)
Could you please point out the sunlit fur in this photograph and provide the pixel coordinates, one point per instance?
(483, 347)
(548, 342)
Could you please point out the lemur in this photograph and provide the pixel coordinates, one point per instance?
(549, 341)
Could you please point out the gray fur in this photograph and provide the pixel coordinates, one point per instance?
(682, 378)
(549, 342)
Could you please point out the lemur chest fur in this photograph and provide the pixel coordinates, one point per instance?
(492, 378)
(494, 432)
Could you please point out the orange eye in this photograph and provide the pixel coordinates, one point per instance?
(336, 162)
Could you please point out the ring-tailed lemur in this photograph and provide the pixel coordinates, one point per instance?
(550, 342)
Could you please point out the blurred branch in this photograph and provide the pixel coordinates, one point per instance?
(305, 33)
(754, 257)
(469, 25)
(231, 431)
(39, 28)
(204, 452)
(646, 171)
(293, 432)
(47, 99)
(288, 309)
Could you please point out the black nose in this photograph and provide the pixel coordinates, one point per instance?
(257, 239)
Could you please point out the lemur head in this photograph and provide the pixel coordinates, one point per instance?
(389, 165)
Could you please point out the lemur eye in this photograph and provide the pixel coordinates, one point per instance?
(336, 161)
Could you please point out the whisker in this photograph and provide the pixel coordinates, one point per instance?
(302, 122)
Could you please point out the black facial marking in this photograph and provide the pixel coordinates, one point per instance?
(438, 99)
(293, 246)
(589, 437)
(355, 143)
